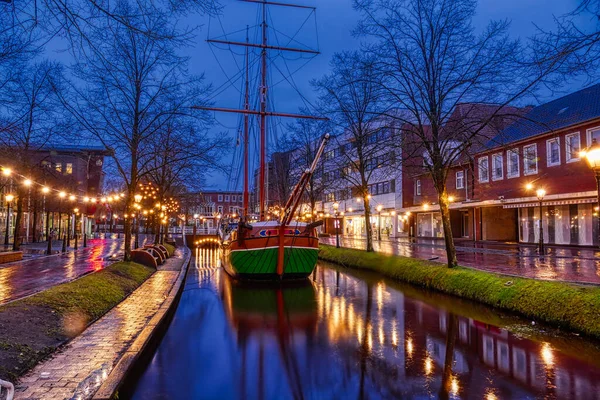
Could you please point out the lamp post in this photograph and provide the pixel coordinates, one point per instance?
(9, 199)
(336, 214)
(592, 156)
(379, 208)
(76, 212)
(540, 193)
(138, 199)
(195, 226)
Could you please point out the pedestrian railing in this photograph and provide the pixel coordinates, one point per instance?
(8, 388)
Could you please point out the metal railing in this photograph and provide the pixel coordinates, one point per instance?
(10, 389)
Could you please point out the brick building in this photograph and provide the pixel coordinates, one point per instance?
(210, 206)
(494, 191)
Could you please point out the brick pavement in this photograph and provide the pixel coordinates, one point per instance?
(569, 264)
(93, 354)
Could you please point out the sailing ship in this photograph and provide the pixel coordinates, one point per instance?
(268, 249)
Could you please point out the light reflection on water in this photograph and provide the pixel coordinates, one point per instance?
(341, 336)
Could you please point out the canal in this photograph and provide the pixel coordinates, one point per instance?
(351, 335)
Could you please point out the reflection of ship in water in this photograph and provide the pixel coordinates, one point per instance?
(271, 318)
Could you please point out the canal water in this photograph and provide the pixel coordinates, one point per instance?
(350, 335)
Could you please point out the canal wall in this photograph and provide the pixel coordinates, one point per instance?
(143, 346)
(564, 305)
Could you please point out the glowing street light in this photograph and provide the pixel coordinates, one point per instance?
(9, 198)
(336, 220)
(6, 171)
(592, 156)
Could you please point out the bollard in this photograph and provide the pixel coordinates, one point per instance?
(85, 240)
(64, 244)
(118, 235)
(49, 249)
(75, 242)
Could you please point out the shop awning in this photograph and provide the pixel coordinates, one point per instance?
(550, 203)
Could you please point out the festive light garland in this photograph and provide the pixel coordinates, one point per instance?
(101, 199)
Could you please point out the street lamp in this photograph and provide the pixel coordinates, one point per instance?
(336, 214)
(592, 156)
(540, 193)
(9, 199)
(137, 198)
(379, 208)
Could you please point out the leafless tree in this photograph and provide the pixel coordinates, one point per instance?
(305, 139)
(182, 154)
(430, 60)
(31, 118)
(135, 85)
(363, 150)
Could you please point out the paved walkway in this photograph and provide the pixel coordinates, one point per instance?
(559, 263)
(23, 278)
(94, 353)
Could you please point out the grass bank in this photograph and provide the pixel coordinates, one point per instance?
(32, 328)
(564, 305)
(170, 249)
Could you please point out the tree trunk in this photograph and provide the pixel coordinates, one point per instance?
(448, 238)
(446, 387)
(369, 231)
(17, 229)
(127, 224)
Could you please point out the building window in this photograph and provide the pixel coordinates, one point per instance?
(483, 167)
(418, 187)
(460, 180)
(512, 160)
(240, 198)
(58, 167)
(69, 169)
(553, 152)
(572, 146)
(530, 160)
(498, 170)
(226, 198)
(220, 198)
(593, 134)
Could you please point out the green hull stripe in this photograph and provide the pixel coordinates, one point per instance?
(264, 261)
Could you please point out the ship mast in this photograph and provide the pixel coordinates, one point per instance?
(262, 112)
(263, 118)
(246, 139)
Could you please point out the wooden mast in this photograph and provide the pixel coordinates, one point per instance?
(262, 112)
(246, 139)
(263, 118)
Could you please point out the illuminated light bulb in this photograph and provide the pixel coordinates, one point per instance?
(45, 190)
(27, 182)
(6, 171)
(71, 197)
(62, 195)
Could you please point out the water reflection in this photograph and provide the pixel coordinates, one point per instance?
(341, 336)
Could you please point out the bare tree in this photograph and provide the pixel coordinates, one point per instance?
(135, 85)
(363, 150)
(183, 153)
(31, 119)
(430, 60)
(305, 139)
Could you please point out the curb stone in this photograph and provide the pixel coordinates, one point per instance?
(127, 361)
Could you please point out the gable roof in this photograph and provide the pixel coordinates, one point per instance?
(565, 111)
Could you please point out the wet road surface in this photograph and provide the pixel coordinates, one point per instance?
(351, 335)
(564, 264)
(30, 276)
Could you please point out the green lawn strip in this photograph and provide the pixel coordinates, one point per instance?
(33, 328)
(564, 305)
(170, 249)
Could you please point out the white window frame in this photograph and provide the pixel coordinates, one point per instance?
(525, 171)
(226, 198)
(508, 166)
(418, 187)
(549, 142)
(494, 177)
(220, 198)
(462, 178)
(588, 135)
(567, 152)
(487, 175)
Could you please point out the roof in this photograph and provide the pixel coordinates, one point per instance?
(565, 111)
